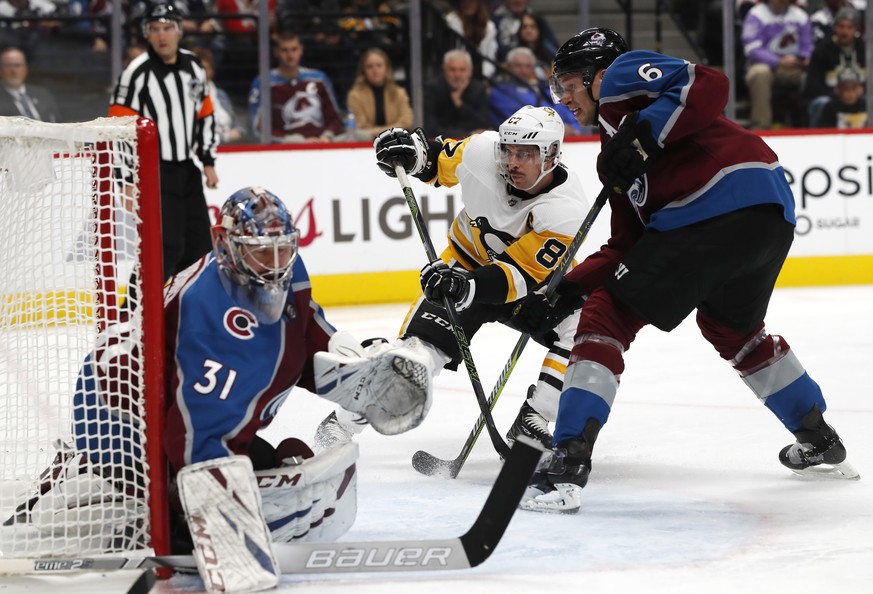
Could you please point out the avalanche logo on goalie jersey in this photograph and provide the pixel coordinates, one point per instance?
(240, 323)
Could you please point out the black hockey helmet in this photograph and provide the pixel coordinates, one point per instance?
(589, 51)
(162, 13)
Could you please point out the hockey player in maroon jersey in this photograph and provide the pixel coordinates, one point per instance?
(702, 218)
(241, 331)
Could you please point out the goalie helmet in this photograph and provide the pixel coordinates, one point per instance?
(255, 243)
(541, 127)
(161, 13)
(585, 53)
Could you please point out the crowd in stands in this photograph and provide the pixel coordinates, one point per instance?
(339, 67)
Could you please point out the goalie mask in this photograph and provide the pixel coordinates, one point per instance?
(255, 243)
(530, 133)
(585, 54)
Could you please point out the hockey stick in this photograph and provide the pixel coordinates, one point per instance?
(463, 552)
(430, 465)
(452, 314)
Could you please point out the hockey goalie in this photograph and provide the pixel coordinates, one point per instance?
(242, 330)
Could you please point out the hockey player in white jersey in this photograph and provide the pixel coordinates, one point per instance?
(522, 208)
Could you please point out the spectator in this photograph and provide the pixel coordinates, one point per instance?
(26, 34)
(16, 99)
(331, 50)
(239, 28)
(471, 20)
(167, 84)
(455, 104)
(847, 108)
(95, 30)
(522, 89)
(777, 41)
(302, 103)
(228, 126)
(823, 19)
(234, 43)
(376, 101)
(530, 36)
(370, 22)
(844, 49)
(508, 20)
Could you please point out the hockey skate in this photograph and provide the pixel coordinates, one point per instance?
(556, 486)
(818, 451)
(531, 424)
(333, 431)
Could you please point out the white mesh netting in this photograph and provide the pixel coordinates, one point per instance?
(73, 475)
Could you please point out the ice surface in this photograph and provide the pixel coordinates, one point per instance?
(686, 495)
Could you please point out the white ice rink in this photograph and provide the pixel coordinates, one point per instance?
(686, 495)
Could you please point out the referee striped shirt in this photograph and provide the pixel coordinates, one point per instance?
(175, 97)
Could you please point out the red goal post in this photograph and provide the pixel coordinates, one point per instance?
(82, 205)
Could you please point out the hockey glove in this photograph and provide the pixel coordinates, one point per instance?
(537, 314)
(629, 152)
(439, 281)
(396, 146)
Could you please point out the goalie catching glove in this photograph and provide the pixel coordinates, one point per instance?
(389, 384)
(629, 152)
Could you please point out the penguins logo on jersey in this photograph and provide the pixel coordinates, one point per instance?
(503, 239)
(240, 323)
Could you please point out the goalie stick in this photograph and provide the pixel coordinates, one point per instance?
(452, 314)
(463, 552)
(428, 464)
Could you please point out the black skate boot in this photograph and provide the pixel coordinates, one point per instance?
(818, 451)
(556, 486)
(530, 423)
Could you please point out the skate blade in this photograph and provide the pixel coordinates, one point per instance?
(842, 471)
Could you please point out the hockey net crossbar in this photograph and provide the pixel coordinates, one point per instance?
(85, 228)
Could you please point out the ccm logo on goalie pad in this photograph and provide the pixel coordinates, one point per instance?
(274, 481)
(379, 557)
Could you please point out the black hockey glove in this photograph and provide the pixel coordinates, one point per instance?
(396, 146)
(538, 315)
(439, 281)
(629, 152)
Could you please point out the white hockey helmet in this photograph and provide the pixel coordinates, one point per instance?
(255, 243)
(534, 126)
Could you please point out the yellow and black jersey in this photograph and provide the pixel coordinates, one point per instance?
(522, 236)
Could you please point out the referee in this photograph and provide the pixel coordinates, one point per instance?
(167, 84)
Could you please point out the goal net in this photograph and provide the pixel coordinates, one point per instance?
(81, 338)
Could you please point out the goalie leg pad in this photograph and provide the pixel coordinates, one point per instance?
(391, 385)
(313, 500)
(231, 542)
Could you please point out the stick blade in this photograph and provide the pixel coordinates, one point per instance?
(430, 465)
(481, 539)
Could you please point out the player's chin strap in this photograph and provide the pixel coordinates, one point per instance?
(596, 104)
